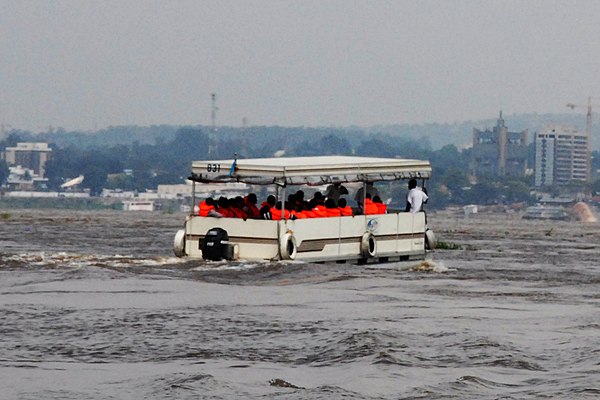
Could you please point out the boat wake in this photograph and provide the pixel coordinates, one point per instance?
(72, 260)
(431, 266)
(240, 273)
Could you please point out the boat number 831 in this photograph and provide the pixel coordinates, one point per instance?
(213, 167)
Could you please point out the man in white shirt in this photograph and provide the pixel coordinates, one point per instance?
(416, 197)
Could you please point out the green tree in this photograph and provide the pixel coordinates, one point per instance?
(596, 187)
(485, 192)
(517, 191)
(95, 165)
(374, 147)
(448, 157)
(326, 145)
(334, 145)
(12, 139)
(452, 183)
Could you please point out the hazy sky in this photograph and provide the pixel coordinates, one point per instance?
(90, 64)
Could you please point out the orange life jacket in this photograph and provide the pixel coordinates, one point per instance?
(309, 214)
(251, 210)
(370, 207)
(298, 214)
(276, 214)
(238, 213)
(319, 212)
(226, 212)
(381, 208)
(203, 209)
(333, 212)
(346, 211)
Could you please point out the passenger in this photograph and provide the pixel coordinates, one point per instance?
(207, 208)
(224, 207)
(308, 212)
(250, 206)
(290, 207)
(319, 210)
(334, 191)
(331, 208)
(381, 208)
(291, 200)
(265, 207)
(372, 190)
(237, 206)
(416, 197)
(297, 206)
(370, 207)
(319, 199)
(298, 214)
(345, 209)
(299, 200)
(276, 212)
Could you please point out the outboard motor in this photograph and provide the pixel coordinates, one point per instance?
(215, 245)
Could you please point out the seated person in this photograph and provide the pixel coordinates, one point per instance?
(276, 214)
(307, 211)
(250, 206)
(237, 207)
(370, 208)
(208, 208)
(345, 209)
(381, 208)
(265, 207)
(331, 208)
(319, 199)
(318, 210)
(224, 208)
(371, 189)
(299, 201)
(335, 190)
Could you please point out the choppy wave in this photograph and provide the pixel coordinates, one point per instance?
(97, 303)
(73, 260)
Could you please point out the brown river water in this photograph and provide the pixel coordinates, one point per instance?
(94, 306)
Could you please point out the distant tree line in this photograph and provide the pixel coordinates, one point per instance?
(144, 164)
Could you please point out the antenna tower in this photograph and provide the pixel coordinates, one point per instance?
(213, 130)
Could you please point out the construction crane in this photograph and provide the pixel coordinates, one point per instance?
(588, 132)
(588, 119)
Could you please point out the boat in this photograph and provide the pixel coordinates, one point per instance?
(394, 236)
(139, 205)
(546, 212)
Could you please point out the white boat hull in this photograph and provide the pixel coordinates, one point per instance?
(362, 238)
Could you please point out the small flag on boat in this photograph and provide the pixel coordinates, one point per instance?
(233, 166)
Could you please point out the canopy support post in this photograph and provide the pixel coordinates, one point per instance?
(283, 204)
(193, 197)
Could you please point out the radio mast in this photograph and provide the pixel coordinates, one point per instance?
(213, 131)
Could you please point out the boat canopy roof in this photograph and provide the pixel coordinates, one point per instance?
(309, 170)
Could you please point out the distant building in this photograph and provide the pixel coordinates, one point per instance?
(561, 156)
(20, 178)
(544, 158)
(32, 156)
(499, 152)
(139, 205)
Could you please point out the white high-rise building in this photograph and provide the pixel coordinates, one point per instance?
(561, 156)
(544, 158)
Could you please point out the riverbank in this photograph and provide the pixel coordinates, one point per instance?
(88, 203)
